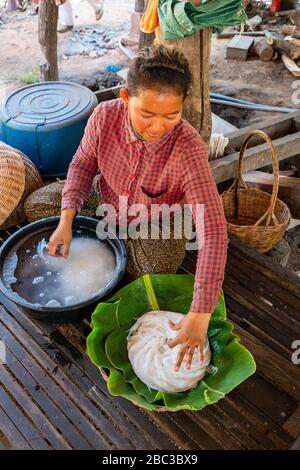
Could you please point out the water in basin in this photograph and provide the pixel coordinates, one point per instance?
(50, 281)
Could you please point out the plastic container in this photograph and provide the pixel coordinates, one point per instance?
(46, 121)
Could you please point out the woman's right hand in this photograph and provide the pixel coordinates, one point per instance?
(62, 236)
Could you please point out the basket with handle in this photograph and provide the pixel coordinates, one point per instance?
(254, 216)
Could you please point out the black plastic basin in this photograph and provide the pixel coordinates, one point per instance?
(63, 313)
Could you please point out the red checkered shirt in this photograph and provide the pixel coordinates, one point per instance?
(171, 170)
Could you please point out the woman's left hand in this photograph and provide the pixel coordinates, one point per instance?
(192, 331)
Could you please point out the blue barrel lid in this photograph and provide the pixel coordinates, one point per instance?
(49, 103)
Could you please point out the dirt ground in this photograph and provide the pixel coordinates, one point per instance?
(252, 80)
(22, 54)
(263, 82)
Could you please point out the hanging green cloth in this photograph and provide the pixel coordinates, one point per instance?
(180, 18)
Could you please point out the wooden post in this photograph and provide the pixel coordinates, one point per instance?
(48, 15)
(11, 5)
(145, 39)
(197, 110)
(139, 6)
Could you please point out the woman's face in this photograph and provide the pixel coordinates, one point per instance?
(153, 114)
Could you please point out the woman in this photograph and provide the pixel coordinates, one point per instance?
(148, 153)
(65, 12)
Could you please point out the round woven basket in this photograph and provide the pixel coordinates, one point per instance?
(254, 216)
(18, 178)
(12, 181)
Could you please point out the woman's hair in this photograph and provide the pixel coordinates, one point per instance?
(159, 67)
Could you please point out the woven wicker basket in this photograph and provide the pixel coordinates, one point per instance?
(16, 190)
(254, 216)
(12, 182)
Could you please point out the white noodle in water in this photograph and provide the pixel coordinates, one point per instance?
(53, 303)
(38, 280)
(9, 267)
(89, 267)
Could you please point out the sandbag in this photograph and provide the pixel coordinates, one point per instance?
(46, 202)
(159, 256)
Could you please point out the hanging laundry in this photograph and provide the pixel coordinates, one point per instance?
(149, 21)
(179, 18)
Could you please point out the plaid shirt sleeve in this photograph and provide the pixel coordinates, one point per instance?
(83, 166)
(200, 188)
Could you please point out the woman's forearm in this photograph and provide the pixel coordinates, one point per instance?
(82, 169)
(67, 216)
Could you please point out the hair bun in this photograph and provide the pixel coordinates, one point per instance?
(154, 67)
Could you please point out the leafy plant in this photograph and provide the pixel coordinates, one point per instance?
(30, 77)
(231, 362)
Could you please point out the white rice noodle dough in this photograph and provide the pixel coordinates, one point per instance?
(153, 361)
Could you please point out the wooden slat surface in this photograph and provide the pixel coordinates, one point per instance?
(76, 405)
(52, 397)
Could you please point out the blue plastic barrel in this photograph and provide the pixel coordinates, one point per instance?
(46, 121)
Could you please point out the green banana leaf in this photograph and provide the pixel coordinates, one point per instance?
(107, 343)
(118, 358)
